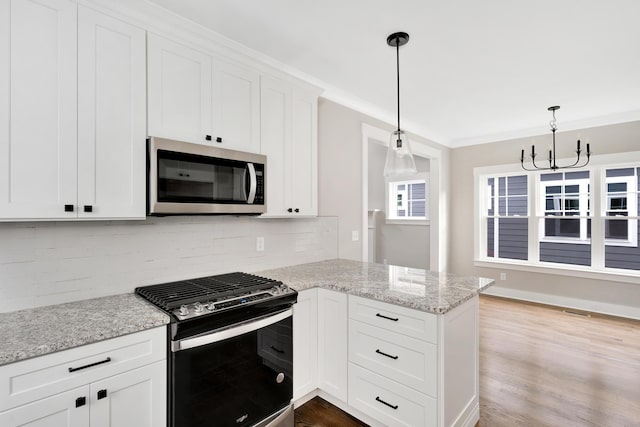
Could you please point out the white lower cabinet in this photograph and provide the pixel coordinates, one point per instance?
(389, 365)
(305, 343)
(393, 363)
(332, 343)
(388, 401)
(58, 410)
(131, 398)
(119, 382)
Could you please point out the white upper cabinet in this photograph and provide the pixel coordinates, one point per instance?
(38, 93)
(197, 98)
(72, 135)
(179, 91)
(304, 153)
(236, 107)
(288, 131)
(111, 117)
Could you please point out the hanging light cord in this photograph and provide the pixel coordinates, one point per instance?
(398, 81)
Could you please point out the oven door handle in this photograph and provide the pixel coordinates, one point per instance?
(235, 331)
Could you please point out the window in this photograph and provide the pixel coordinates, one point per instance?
(408, 200)
(583, 219)
(507, 226)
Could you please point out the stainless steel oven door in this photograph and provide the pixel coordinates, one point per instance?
(239, 376)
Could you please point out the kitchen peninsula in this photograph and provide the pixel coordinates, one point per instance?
(391, 345)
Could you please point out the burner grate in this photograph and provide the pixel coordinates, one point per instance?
(171, 295)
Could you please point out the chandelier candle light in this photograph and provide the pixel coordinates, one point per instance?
(399, 158)
(552, 153)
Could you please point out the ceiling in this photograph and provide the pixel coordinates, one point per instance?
(472, 72)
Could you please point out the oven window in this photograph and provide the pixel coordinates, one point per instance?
(189, 178)
(236, 382)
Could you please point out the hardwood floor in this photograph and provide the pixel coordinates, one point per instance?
(319, 413)
(541, 367)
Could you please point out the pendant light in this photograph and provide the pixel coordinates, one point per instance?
(399, 158)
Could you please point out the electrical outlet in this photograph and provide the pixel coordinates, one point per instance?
(503, 276)
(355, 236)
(260, 244)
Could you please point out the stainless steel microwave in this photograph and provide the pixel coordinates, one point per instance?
(186, 179)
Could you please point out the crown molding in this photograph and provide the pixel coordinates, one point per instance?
(611, 119)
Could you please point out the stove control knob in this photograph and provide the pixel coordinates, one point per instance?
(211, 306)
(199, 307)
(184, 310)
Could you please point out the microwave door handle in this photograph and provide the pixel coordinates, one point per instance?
(253, 183)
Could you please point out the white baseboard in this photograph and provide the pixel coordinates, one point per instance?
(304, 399)
(473, 416)
(568, 302)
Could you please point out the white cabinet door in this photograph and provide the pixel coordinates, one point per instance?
(60, 410)
(38, 111)
(332, 343)
(289, 138)
(236, 107)
(179, 91)
(275, 135)
(132, 399)
(304, 154)
(305, 343)
(111, 117)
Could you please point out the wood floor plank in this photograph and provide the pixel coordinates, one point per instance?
(319, 413)
(542, 367)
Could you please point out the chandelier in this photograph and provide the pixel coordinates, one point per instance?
(552, 153)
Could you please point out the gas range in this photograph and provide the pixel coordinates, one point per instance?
(213, 295)
(230, 341)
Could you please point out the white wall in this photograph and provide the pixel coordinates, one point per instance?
(607, 296)
(398, 244)
(53, 262)
(340, 171)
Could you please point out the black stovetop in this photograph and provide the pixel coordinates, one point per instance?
(171, 295)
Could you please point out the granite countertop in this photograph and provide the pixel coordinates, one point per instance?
(39, 331)
(42, 330)
(414, 288)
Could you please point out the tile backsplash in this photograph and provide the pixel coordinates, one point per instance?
(43, 263)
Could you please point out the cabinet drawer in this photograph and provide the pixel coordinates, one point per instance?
(389, 402)
(414, 323)
(409, 361)
(39, 377)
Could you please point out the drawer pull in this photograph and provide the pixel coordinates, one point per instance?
(395, 319)
(385, 354)
(385, 403)
(81, 401)
(102, 394)
(277, 350)
(107, 360)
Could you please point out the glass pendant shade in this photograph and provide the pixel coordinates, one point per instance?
(399, 157)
